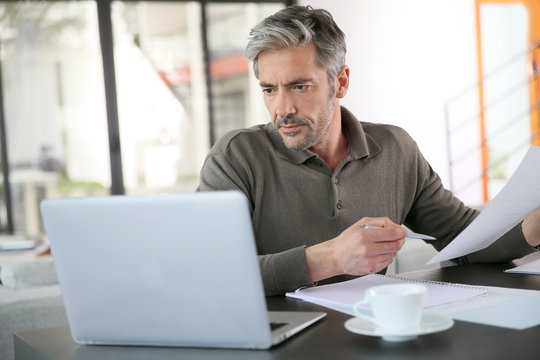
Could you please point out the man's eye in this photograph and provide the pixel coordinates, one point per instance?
(301, 87)
(268, 91)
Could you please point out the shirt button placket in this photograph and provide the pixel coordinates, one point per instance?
(339, 204)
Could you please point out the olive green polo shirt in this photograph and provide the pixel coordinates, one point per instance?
(297, 200)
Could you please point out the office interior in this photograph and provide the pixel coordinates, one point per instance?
(104, 98)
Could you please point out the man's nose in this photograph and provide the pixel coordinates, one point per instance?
(284, 105)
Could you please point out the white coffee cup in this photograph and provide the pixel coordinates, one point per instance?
(394, 306)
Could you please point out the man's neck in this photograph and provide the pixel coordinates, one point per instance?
(335, 146)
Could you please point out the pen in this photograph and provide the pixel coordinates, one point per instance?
(409, 235)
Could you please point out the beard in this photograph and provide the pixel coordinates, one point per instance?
(311, 133)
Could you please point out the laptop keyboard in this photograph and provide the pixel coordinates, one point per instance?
(274, 326)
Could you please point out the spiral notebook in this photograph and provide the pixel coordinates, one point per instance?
(346, 294)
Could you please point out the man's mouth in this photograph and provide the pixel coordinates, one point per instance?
(290, 129)
(290, 126)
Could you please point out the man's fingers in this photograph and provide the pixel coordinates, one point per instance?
(386, 234)
(373, 249)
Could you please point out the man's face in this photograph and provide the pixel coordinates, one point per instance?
(297, 95)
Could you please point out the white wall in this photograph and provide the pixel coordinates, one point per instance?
(407, 58)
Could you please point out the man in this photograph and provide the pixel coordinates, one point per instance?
(315, 175)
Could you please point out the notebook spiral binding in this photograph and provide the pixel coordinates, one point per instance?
(443, 283)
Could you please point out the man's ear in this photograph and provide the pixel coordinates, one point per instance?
(342, 82)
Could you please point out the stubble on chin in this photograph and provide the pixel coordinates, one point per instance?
(310, 133)
(297, 140)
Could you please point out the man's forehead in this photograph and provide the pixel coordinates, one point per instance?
(289, 66)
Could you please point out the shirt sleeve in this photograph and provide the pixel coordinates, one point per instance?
(281, 272)
(285, 271)
(508, 247)
(218, 173)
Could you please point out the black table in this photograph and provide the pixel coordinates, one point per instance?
(328, 339)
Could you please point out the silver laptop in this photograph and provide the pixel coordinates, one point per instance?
(164, 270)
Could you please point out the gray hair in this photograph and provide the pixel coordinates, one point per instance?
(298, 27)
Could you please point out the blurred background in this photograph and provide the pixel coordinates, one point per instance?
(127, 97)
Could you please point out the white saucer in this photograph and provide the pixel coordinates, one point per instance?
(430, 323)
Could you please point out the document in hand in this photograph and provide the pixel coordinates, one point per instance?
(346, 294)
(519, 198)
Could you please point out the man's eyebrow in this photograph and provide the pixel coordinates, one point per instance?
(298, 81)
(290, 83)
(264, 84)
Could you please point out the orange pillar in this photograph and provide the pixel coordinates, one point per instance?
(533, 8)
(483, 143)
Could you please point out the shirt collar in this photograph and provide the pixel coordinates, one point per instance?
(361, 145)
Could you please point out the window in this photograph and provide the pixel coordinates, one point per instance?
(235, 92)
(54, 105)
(178, 80)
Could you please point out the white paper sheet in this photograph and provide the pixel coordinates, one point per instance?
(532, 267)
(519, 198)
(504, 307)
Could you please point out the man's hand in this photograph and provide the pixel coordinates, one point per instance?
(356, 251)
(531, 228)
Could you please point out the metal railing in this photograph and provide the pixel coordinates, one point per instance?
(467, 117)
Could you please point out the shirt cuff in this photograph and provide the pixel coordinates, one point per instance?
(285, 271)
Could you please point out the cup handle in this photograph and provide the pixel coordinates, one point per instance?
(361, 314)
